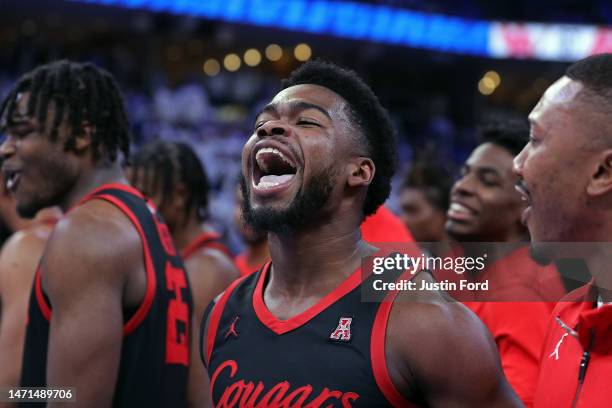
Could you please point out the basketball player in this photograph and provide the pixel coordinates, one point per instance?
(485, 207)
(296, 333)
(18, 261)
(424, 200)
(173, 176)
(566, 179)
(109, 312)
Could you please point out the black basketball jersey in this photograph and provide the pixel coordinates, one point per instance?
(156, 336)
(331, 355)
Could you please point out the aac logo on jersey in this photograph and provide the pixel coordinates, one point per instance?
(343, 331)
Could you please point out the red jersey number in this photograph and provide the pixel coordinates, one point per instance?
(177, 343)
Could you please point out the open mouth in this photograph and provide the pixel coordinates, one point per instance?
(272, 169)
(523, 191)
(526, 197)
(11, 179)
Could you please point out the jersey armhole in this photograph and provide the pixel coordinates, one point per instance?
(379, 358)
(203, 324)
(145, 306)
(43, 306)
(216, 311)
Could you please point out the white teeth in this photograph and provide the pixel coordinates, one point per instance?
(264, 185)
(270, 181)
(459, 208)
(263, 150)
(11, 181)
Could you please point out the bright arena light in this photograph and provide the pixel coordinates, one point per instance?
(302, 52)
(211, 67)
(252, 57)
(231, 62)
(494, 76)
(485, 86)
(274, 52)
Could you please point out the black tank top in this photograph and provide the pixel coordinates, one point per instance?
(156, 336)
(331, 355)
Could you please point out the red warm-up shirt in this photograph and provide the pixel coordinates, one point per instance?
(576, 364)
(516, 310)
(384, 226)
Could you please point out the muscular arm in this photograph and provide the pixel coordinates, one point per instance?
(84, 273)
(210, 272)
(450, 359)
(18, 261)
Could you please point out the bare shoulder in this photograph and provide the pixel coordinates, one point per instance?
(441, 345)
(20, 256)
(92, 237)
(24, 242)
(433, 311)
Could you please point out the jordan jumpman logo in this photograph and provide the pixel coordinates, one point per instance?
(232, 328)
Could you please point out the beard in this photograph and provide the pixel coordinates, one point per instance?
(300, 213)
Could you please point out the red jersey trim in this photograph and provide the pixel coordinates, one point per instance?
(378, 356)
(284, 326)
(40, 298)
(215, 318)
(205, 240)
(147, 301)
(243, 267)
(116, 186)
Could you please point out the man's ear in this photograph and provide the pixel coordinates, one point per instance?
(360, 171)
(600, 182)
(84, 138)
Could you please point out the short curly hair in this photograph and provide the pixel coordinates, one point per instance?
(366, 113)
(511, 134)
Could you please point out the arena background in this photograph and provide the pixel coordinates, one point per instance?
(197, 70)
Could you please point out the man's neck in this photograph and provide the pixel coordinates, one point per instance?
(90, 180)
(316, 260)
(598, 262)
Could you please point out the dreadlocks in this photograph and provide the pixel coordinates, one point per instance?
(162, 164)
(80, 93)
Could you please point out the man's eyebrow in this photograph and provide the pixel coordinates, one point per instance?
(294, 107)
(488, 170)
(301, 106)
(534, 122)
